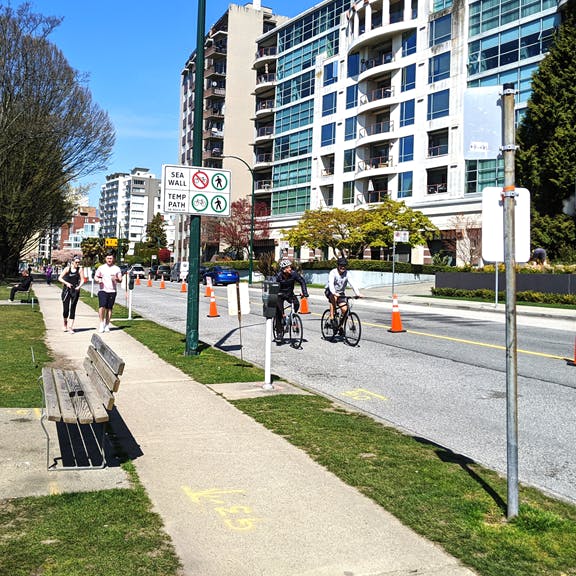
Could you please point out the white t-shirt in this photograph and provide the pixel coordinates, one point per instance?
(108, 277)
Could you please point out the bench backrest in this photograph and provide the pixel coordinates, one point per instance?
(103, 367)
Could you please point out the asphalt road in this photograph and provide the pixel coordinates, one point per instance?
(444, 379)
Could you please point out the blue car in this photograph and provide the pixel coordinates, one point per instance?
(221, 275)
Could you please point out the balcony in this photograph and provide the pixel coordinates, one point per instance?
(215, 70)
(264, 132)
(213, 112)
(215, 91)
(215, 49)
(263, 185)
(437, 188)
(263, 158)
(264, 81)
(264, 54)
(373, 62)
(434, 151)
(378, 94)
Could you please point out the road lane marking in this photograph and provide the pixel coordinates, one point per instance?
(363, 394)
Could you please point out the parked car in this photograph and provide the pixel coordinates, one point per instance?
(162, 271)
(123, 268)
(137, 271)
(179, 272)
(221, 275)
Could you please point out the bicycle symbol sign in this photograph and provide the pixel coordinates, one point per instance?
(200, 180)
(199, 203)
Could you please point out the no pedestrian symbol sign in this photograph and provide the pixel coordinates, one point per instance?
(195, 190)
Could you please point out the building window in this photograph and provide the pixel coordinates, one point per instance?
(330, 73)
(348, 192)
(439, 67)
(291, 201)
(438, 104)
(350, 128)
(329, 104)
(328, 135)
(438, 143)
(349, 160)
(437, 180)
(295, 144)
(408, 43)
(482, 173)
(406, 153)
(353, 67)
(440, 30)
(352, 96)
(408, 78)
(405, 184)
(407, 113)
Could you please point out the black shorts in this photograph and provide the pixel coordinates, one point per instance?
(340, 298)
(106, 299)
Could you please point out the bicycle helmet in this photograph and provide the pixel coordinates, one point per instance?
(284, 263)
(342, 262)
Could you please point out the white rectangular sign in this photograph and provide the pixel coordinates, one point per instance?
(401, 236)
(238, 297)
(195, 190)
(493, 225)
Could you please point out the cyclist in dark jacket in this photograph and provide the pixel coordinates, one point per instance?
(287, 277)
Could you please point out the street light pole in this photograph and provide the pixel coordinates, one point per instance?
(251, 245)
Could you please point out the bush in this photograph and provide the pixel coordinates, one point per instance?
(489, 295)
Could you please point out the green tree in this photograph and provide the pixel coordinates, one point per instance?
(51, 133)
(351, 232)
(546, 159)
(156, 232)
(556, 234)
(92, 250)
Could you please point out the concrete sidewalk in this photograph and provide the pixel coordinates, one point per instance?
(235, 498)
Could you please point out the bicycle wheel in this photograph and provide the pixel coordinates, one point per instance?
(352, 329)
(296, 331)
(328, 332)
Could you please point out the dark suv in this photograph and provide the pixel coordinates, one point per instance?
(162, 271)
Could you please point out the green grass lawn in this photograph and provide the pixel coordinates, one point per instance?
(441, 495)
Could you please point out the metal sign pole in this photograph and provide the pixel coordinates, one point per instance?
(509, 199)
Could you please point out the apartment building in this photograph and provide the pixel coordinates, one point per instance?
(128, 202)
(228, 103)
(355, 102)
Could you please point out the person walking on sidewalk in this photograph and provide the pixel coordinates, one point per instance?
(22, 286)
(48, 273)
(72, 278)
(107, 275)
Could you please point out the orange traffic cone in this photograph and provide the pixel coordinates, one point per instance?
(162, 283)
(208, 292)
(137, 280)
(149, 284)
(213, 312)
(183, 287)
(396, 320)
(304, 306)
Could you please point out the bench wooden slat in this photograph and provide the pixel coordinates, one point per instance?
(100, 387)
(114, 361)
(64, 400)
(51, 396)
(106, 374)
(77, 395)
(94, 401)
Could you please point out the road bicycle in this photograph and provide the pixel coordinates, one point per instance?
(346, 325)
(288, 328)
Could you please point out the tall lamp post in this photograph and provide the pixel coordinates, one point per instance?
(251, 245)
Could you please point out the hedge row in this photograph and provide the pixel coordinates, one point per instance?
(489, 295)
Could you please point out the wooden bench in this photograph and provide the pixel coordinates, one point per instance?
(82, 398)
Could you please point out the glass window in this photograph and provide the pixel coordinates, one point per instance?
(330, 73)
(408, 78)
(296, 144)
(404, 184)
(349, 160)
(353, 67)
(352, 96)
(440, 30)
(438, 143)
(408, 43)
(407, 113)
(291, 201)
(294, 117)
(328, 135)
(350, 128)
(406, 153)
(329, 104)
(438, 104)
(348, 193)
(439, 67)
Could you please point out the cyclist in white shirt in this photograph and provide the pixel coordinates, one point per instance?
(336, 287)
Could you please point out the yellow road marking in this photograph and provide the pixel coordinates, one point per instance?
(363, 394)
(464, 341)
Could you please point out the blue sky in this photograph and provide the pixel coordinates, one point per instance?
(133, 52)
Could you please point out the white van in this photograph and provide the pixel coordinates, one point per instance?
(179, 272)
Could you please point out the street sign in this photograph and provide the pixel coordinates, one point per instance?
(111, 242)
(493, 225)
(401, 236)
(196, 190)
